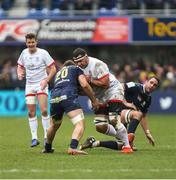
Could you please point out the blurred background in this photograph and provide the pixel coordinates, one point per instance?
(136, 38)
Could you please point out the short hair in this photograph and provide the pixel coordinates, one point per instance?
(155, 77)
(78, 54)
(31, 36)
(69, 63)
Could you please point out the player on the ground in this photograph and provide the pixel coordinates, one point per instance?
(64, 99)
(138, 100)
(109, 92)
(38, 67)
(139, 95)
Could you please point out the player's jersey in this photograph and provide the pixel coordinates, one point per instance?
(35, 64)
(66, 82)
(97, 69)
(135, 93)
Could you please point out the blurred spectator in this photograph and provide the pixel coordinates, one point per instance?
(6, 4)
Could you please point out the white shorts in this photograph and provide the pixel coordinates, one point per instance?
(31, 92)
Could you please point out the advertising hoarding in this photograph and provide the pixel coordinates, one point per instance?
(154, 29)
(55, 31)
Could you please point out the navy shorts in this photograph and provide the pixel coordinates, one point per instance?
(57, 110)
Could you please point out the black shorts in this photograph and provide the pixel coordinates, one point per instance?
(57, 110)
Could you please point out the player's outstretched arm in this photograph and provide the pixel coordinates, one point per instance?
(88, 90)
(147, 132)
(20, 72)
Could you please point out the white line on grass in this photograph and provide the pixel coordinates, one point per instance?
(83, 170)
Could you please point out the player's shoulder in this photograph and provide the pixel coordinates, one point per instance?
(40, 50)
(25, 51)
(96, 63)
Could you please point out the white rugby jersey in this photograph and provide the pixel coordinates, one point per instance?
(97, 69)
(35, 64)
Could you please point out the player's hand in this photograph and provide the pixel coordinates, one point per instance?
(95, 105)
(43, 84)
(150, 138)
(20, 76)
(88, 78)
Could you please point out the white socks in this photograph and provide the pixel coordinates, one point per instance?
(33, 124)
(111, 131)
(122, 135)
(46, 124)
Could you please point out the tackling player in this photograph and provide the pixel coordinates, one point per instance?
(64, 98)
(108, 91)
(34, 63)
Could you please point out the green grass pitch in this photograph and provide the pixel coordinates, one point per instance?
(18, 160)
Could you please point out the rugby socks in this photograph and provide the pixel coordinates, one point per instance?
(33, 124)
(122, 135)
(74, 144)
(133, 126)
(111, 130)
(46, 124)
(109, 144)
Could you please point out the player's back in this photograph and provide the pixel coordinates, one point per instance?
(66, 82)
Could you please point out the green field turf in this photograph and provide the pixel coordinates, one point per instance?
(18, 160)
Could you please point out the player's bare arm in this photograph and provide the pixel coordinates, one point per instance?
(146, 130)
(51, 72)
(20, 72)
(88, 90)
(104, 82)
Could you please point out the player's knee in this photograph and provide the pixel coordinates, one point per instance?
(55, 125)
(44, 112)
(78, 119)
(31, 114)
(101, 128)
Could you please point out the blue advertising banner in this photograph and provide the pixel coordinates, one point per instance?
(12, 103)
(154, 29)
(163, 102)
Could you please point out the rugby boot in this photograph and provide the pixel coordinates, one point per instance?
(34, 143)
(88, 143)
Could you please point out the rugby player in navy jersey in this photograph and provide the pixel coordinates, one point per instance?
(138, 97)
(64, 99)
(138, 100)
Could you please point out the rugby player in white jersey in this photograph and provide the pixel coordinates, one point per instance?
(39, 68)
(109, 93)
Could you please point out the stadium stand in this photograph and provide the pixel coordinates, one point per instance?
(161, 63)
(87, 7)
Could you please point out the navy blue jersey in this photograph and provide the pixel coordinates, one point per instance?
(134, 93)
(66, 82)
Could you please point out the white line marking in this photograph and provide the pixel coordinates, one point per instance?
(84, 170)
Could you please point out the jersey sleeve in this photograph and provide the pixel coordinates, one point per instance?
(131, 87)
(101, 70)
(47, 58)
(79, 71)
(20, 60)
